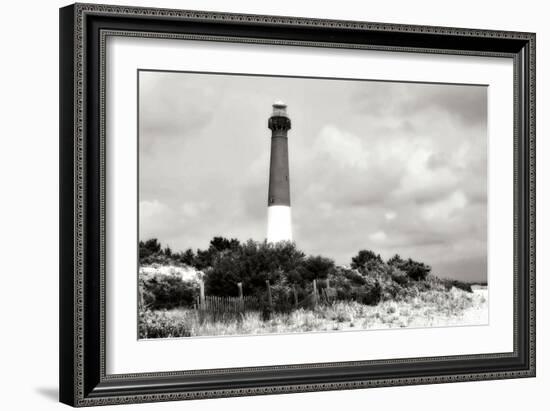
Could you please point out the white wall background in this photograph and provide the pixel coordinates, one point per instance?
(29, 206)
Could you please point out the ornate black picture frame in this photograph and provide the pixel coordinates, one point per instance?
(83, 31)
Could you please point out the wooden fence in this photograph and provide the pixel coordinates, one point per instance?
(219, 306)
(212, 303)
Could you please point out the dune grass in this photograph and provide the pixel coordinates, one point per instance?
(427, 309)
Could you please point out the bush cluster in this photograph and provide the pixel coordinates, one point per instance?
(457, 284)
(288, 271)
(167, 291)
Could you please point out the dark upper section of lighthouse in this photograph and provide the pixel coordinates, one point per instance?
(279, 185)
(279, 120)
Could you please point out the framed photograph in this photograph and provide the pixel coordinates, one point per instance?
(262, 204)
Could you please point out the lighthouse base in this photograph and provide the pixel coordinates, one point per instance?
(279, 226)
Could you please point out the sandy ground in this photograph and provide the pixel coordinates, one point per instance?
(478, 315)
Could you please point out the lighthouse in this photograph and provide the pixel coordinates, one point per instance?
(279, 226)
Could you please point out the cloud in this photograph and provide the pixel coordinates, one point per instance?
(378, 237)
(421, 182)
(344, 169)
(151, 209)
(343, 148)
(464, 103)
(167, 112)
(445, 209)
(390, 215)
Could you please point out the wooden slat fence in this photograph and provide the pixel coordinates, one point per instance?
(212, 303)
(208, 305)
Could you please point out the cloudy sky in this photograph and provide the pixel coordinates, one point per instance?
(388, 166)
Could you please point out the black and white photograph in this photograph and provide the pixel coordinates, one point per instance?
(262, 200)
(276, 205)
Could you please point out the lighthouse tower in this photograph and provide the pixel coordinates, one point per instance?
(279, 226)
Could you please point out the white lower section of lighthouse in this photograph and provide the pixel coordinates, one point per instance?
(279, 226)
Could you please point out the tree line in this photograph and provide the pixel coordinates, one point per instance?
(287, 269)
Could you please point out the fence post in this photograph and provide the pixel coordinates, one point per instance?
(140, 298)
(241, 301)
(199, 308)
(269, 298)
(315, 295)
(201, 285)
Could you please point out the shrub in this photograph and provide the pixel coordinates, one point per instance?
(392, 291)
(222, 278)
(149, 248)
(253, 264)
(457, 284)
(315, 267)
(344, 280)
(282, 297)
(353, 277)
(399, 276)
(396, 261)
(415, 270)
(187, 257)
(364, 259)
(221, 244)
(167, 291)
(369, 295)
